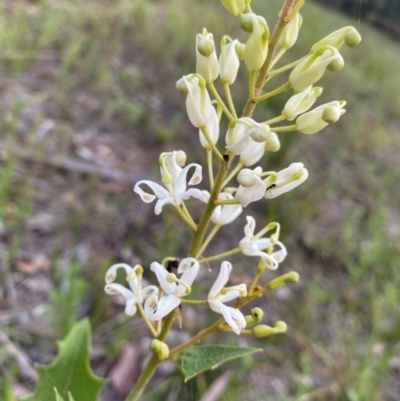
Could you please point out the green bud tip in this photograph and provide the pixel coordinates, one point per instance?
(293, 277)
(336, 65)
(257, 314)
(160, 349)
(171, 278)
(353, 38)
(331, 114)
(205, 46)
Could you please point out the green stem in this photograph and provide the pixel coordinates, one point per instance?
(205, 219)
(272, 45)
(152, 365)
(220, 101)
(285, 68)
(232, 174)
(187, 219)
(198, 337)
(276, 91)
(220, 255)
(209, 167)
(208, 239)
(227, 202)
(286, 129)
(229, 99)
(275, 120)
(204, 131)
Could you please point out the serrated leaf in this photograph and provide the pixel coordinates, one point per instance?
(200, 358)
(59, 398)
(70, 372)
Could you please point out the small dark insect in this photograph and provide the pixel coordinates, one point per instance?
(270, 187)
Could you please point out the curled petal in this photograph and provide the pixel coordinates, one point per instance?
(232, 316)
(157, 309)
(191, 193)
(149, 291)
(226, 214)
(180, 182)
(111, 273)
(250, 226)
(146, 197)
(190, 268)
(114, 289)
(221, 280)
(162, 274)
(162, 202)
(280, 255)
(246, 195)
(130, 307)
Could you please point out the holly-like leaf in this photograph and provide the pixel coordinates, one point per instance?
(70, 373)
(59, 398)
(200, 358)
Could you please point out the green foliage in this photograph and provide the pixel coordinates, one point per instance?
(66, 296)
(59, 398)
(70, 372)
(201, 358)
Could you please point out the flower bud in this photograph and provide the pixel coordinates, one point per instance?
(246, 177)
(206, 57)
(235, 7)
(313, 67)
(263, 330)
(253, 153)
(347, 35)
(291, 32)
(238, 137)
(198, 103)
(212, 129)
(317, 119)
(272, 144)
(160, 349)
(260, 133)
(228, 61)
(180, 158)
(301, 102)
(255, 316)
(240, 49)
(291, 277)
(257, 43)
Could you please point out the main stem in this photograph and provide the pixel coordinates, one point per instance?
(272, 45)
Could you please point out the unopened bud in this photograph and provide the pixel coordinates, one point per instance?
(160, 349)
(182, 87)
(206, 57)
(291, 32)
(347, 35)
(260, 133)
(272, 144)
(235, 7)
(263, 330)
(246, 177)
(291, 277)
(255, 316)
(180, 158)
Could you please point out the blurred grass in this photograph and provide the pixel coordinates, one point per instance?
(341, 227)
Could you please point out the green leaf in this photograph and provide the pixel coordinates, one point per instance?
(59, 398)
(200, 358)
(70, 373)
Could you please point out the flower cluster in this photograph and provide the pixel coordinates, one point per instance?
(245, 143)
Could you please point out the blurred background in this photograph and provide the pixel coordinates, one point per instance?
(88, 101)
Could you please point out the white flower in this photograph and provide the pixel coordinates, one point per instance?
(219, 295)
(225, 214)
(174, 178)
(228, 61)
(253, 246)
(251, 188)
(301, 102)
(247, 138)
(198, 103)
(174, 290)
(318, 118)
(136, 295)
(206, 58)
(212, 129)
(285, 180)
(313, 67)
